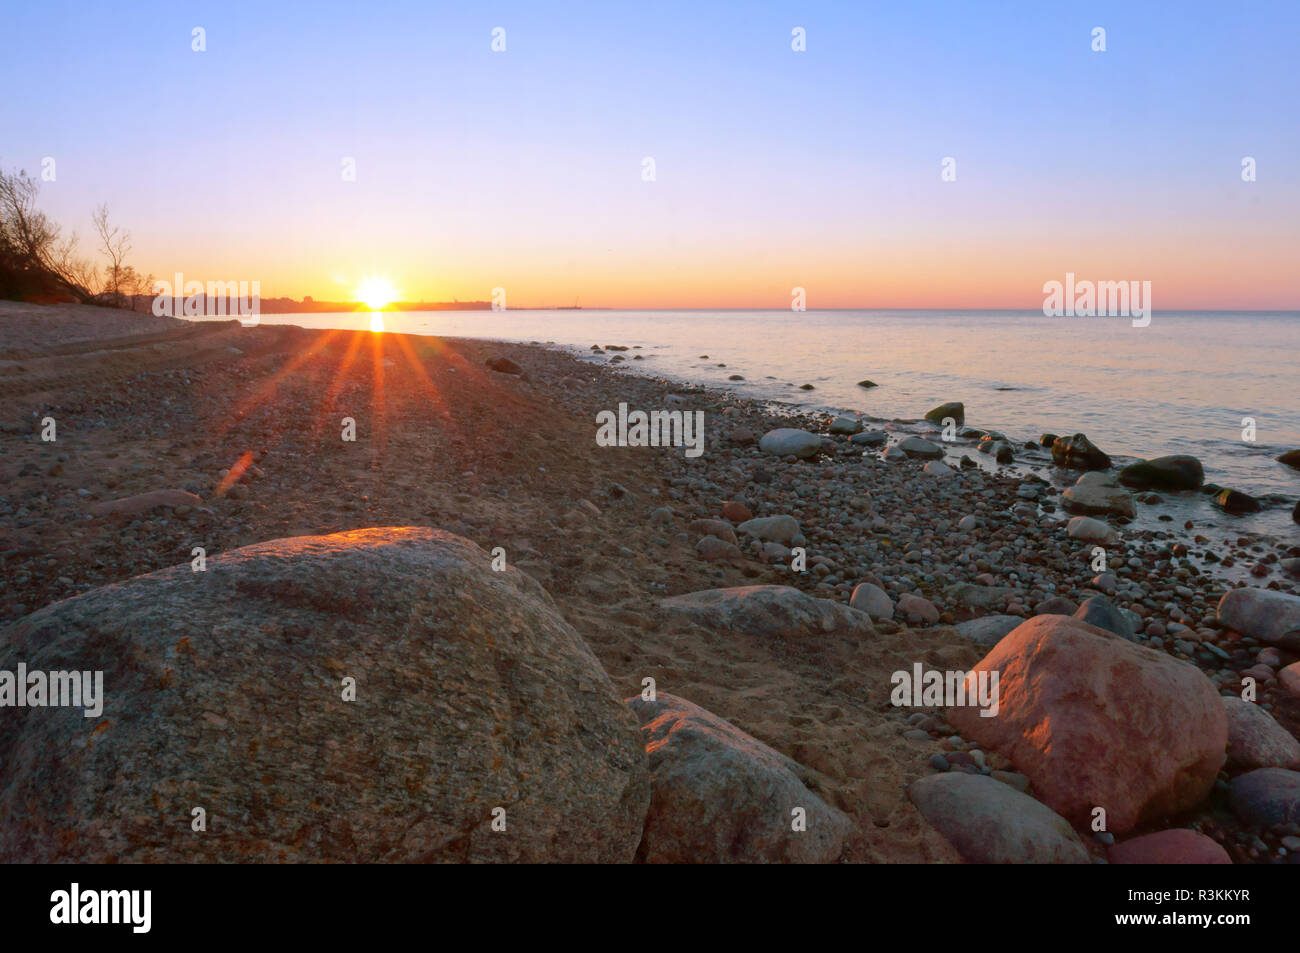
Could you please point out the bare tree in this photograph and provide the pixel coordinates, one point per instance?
(37, 242)
(116, 245)
(33, 250)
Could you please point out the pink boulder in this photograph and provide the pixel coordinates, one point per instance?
(1096, 721)
(1179, 846)
(1290, 678)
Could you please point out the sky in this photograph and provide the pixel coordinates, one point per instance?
(523, 169)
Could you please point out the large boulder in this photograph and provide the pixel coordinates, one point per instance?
(1176, 846)
(954, 410)
(225, 690)
(769, 611)
(1097, 494)
(1096, 721)
(1268, 797)
(719, 795)
(1263, 614)
(1291, 458)
(790, 442)
(1256, 740)
(1178, 472)
(989, 822)
(1078, 453)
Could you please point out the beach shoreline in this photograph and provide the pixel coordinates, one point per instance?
(252, 422)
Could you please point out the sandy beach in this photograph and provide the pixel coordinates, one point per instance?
(507, 458)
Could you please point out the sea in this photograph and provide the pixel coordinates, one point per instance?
(1223, 386)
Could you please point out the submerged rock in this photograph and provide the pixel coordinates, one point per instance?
(1291, 458)
(1236, 502)
(1179, 472)
(1078, 453)
(955, 410)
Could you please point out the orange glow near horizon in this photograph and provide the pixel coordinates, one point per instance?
(1003, 273)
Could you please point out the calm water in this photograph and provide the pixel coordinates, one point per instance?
(1181, 385)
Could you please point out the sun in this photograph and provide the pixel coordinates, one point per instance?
(376, 293)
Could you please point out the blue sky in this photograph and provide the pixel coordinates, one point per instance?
(522, 168)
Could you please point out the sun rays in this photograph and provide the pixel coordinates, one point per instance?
(317, 388)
